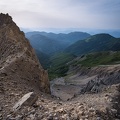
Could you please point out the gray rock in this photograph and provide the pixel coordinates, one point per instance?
(0, 108)
(114, 111)
(50, 117)
(56, 118)
(27, 100)
(1, 117)
(98, 118)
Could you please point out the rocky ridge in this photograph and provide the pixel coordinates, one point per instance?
(18, 57)
(20, 71)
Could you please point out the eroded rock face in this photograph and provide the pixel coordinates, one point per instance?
(19, 65)
(105, 76)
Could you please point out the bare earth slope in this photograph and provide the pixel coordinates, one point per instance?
(82, 80)
(20, 71)
(17, 56)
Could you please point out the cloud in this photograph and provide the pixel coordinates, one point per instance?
(63, 13)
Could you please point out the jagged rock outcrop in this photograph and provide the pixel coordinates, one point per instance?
(19, 66)
(104, 75)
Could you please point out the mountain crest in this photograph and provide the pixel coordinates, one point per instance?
(5, 19)
(17, 58)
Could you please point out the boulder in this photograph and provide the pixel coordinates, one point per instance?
(27, 100)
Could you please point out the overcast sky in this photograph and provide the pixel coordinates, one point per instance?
(94, 14)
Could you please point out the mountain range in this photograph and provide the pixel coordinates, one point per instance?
(50, 43)
(95, 43)
(52, 48)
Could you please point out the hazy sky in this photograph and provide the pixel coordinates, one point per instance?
(96, 14)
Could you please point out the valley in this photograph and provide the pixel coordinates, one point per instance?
(74, 76)
(86, 70)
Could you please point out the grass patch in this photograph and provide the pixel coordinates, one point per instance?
(59, 65)
(101, 58)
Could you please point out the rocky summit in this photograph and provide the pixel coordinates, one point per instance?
(20, 71)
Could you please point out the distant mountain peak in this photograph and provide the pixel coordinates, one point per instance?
(103, 34)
